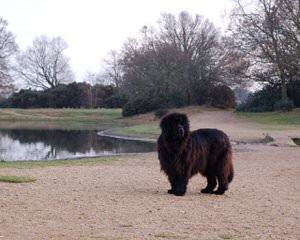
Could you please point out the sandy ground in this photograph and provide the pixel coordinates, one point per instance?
(127, 199)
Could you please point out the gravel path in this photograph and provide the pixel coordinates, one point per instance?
(127, 199)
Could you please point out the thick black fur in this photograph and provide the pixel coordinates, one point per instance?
(183, 153)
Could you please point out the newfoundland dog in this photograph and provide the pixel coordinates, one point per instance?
(183, 153)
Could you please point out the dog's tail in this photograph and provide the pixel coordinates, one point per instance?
(231, 174)
(229, 164)
(226, 166)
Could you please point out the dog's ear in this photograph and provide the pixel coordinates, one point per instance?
(165, 124)
(186, 122)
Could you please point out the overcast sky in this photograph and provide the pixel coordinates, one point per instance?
(94, 27)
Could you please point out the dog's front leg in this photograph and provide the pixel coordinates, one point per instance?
(178, 186)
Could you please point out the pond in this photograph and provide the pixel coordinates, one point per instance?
(24, 144)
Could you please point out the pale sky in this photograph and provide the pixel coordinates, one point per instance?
(94, 27)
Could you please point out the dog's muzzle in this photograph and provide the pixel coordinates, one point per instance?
(180, 131)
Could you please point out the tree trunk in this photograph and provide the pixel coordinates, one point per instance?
(284, 96)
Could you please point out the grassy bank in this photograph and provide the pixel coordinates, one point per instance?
(16, 179)
(150, 130)
(144, 125)
(59, 163)
(81, 119)
(89, 119)
(290, 119)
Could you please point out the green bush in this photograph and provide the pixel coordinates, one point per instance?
(284, 105)
(222, 97)
(137, 106)
(262, 100)
(142, 105)
(294, 92)
(26, 99)
(5, 102)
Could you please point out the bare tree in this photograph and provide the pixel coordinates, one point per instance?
(175, 64)
(7, 48)
(153, 70)
(232, 64)
(93, 78)
(179, 60)
(198, 40)
(289, 17)
(44, 65)
(268, 31)
(113, 68)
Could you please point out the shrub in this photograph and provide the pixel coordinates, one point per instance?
(294, 92)
(222, 97)
(108, 96)
(203, 94)
(142, 105)
(4, 102)
(26, 99)
(262, 100)
(284, 105)
(136, 106)
(73, 95)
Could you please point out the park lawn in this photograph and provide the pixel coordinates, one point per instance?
(147, 125)
(291, 119)
(58, 114)
(149, 130)
(88, 119)
(143, 126)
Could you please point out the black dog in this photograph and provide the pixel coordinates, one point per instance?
(183, 154)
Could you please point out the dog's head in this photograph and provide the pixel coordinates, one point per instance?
(175, 126)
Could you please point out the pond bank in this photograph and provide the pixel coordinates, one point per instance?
(107, 133)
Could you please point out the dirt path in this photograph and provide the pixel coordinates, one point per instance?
(240, 129)
(127, 199)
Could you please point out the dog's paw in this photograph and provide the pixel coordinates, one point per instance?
(179, 193)
(205, 190)
(219, 192)
(171, 191)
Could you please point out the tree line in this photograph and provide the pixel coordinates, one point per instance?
(72, 95)
(183, 60)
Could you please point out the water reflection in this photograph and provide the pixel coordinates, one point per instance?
(21, 144)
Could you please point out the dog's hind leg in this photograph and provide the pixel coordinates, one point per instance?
(222, 176)
(211, 184)
(224, 170)
(222, 184)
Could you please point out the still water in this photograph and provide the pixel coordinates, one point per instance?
(20, 144)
